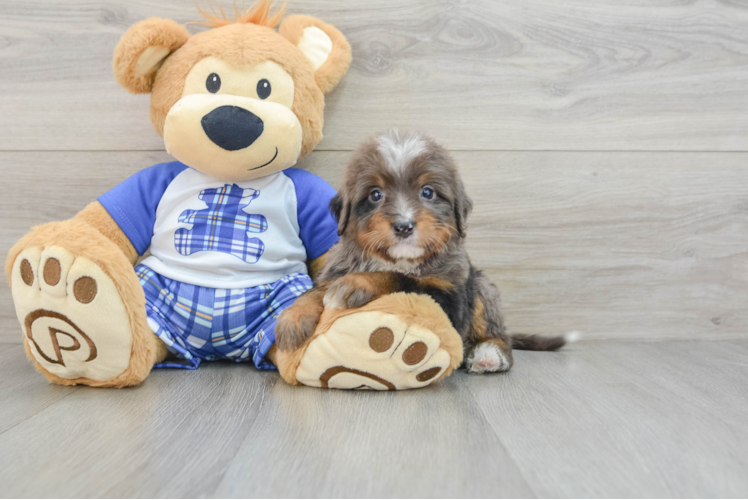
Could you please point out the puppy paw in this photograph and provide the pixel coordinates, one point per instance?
(489, 357)
(348, 292)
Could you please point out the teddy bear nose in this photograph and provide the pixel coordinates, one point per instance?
(232, 127)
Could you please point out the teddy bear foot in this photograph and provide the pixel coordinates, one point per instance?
(399, 341)
(372, 350)
(70, 333)
(77, 328)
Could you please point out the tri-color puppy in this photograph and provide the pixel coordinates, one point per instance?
(402, 215)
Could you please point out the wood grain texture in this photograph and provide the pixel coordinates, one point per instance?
(529, 75)
(618, 245)
(372, 445)
(623, 420)
(61, 183)
(23, 392)
(171, 436)
(598, 419)
(593, 236)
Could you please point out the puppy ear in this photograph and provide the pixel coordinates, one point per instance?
(326, 48)
(463, 205)
(142, 49)
(341, 210)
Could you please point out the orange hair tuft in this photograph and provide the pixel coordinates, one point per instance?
(259, 14)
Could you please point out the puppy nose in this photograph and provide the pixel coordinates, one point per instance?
(232, 128)
(403, 228)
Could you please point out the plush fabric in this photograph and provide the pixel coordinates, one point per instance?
(97, 217)
(164, 35)
(342, 346)
(238, 43)
(80, 239)
(316, 46)
(242, 44)
(237, 103)
(189, 137)
(73, 317)
(336, 65)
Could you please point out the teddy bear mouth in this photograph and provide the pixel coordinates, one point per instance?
(268, 163)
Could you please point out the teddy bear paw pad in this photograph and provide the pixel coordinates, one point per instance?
(373, 350)
(73, 318)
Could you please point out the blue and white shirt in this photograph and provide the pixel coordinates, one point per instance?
(216, 234)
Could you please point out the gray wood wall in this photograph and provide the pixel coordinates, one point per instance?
(605, 143)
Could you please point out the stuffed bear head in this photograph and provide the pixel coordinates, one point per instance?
(240, 100)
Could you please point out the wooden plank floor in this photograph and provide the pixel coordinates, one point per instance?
(605, 145)
(609, 419)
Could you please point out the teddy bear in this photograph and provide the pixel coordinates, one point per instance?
(193, 260)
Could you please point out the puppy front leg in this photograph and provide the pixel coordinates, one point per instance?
(297, 323)
(358, 289)
(487, 346)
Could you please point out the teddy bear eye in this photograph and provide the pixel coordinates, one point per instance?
(213, 83)
(263, 89)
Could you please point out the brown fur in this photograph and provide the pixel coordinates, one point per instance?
(436, 282)
(239, 43)
(301, 318)
(242, 44)
(257, 14)
(479, 326)
(410, 308)
(408, 181)
(374, 236)
(166, 53)
(83, 240)
(332, 70)
(354, 290)
(435, 234)
(96, 216)
(152, 32)
(316, 265)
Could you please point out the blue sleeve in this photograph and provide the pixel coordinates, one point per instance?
(132, 204)
(317, 227)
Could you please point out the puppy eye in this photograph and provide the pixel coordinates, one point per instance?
(213, 83)
(376, 195)
(263, 89)
(427, 193)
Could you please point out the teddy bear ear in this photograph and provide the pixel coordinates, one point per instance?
(323, 44)
(142, 49)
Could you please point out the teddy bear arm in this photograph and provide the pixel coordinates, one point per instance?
(96, 216)
(74, 280)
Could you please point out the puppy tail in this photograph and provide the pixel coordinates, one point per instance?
(541, 343)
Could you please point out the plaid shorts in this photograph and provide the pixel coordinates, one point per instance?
(198, 323)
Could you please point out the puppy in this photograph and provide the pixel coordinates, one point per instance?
(401, 216)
